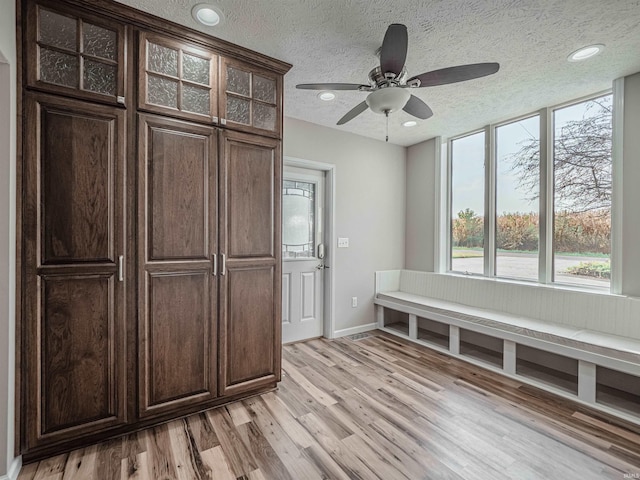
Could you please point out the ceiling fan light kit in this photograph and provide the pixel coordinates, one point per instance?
(387, 100)
(388, 83)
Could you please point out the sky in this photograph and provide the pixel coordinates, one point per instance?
(468, 169)
(468, 164)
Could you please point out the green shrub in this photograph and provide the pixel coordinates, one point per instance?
(591, 269)
(583, 232)
(468, 229)
(517, 231)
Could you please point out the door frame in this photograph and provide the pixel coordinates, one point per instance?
(329, 170)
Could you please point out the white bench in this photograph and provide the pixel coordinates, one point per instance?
(580, 345)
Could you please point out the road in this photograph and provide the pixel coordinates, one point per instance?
(525, 266)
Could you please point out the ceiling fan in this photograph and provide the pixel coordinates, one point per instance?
(388, 83)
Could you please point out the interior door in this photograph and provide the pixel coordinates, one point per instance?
(177, 278)
(302, 249)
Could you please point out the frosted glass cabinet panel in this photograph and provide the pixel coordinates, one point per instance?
(250, 99)
(68, 50)
(177, 78)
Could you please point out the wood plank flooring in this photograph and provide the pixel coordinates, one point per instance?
(375, 408)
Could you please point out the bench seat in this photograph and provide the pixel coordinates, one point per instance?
(581, 345)
(612, 346)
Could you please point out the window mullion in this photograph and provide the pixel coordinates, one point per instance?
(490, 202)
(545, 220)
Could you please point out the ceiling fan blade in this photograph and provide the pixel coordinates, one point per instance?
(393, 52)
(456, 74)
(353, 113)
(330, 86)
(418, 108)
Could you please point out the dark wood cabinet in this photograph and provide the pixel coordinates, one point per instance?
(72, 51)
(250, 298)
(250, 98)
(150, 229)
(178, 229)
(177, 78)
(74, 294)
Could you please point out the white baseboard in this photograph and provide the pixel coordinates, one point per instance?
(14, 470)
(353, 330)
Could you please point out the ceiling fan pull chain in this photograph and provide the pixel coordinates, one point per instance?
(386, 113)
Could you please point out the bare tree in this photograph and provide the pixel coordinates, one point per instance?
(582, 161)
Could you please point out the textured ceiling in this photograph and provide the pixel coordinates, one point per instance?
(336, 41)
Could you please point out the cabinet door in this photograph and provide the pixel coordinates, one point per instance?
(250, 98)
(74, 53)
(177, 79)
(177, 238)
(250, 299)
(74, 299)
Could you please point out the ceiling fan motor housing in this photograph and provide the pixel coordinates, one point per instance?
(388, 99)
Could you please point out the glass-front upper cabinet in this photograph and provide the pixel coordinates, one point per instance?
(250, 98)
(177, 78)
(74, 53)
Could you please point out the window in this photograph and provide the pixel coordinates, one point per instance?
(467, 204)
(298, 225)
(582, 192)
(517, 198)
(504, 224)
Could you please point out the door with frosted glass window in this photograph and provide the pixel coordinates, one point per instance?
(303, 254)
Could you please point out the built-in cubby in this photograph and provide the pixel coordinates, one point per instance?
(433, 332)
(551, 369)
(618, 390)
(481, 347)
(564, 370)
(395, 320)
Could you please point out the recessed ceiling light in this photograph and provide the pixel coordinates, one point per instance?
(326, 96)
(206, 14)
(585, 52)
(410, 123)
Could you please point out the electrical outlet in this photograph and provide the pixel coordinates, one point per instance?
(343, 242)
(354, 302)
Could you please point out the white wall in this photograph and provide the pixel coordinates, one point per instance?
(7, 233)
(421, 206)
(370, 209)
(630, 190)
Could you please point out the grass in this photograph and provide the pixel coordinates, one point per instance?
(464, 252)
(475, 252)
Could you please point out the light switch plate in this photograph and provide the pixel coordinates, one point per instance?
(343, 242)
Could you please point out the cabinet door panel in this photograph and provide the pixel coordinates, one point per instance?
(177, 78)
(77, 332)
(74, 229)
(178, 328)
(250, 292)
(250, 339)
(178, 170)
(250, 197)
(74, 52)
(77, 168)
(250, 98)
(177, 294)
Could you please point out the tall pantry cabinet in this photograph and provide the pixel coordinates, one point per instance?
(150, 219)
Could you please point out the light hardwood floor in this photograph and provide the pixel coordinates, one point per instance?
(375, 408)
